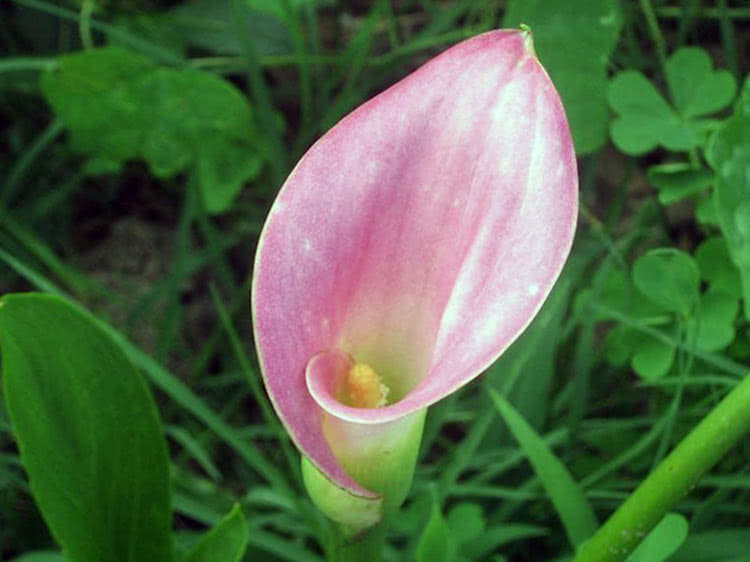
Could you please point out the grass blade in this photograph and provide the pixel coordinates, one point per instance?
(566, 495)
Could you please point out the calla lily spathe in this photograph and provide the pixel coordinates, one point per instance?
(419, 236)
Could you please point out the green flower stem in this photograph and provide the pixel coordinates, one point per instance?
(368, 547)
(724, 426)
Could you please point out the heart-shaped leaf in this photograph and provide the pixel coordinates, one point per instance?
(717, 268)
(118, 105)
(645, 119)
(669, 277)
(729, 155)
(713, 325)
(695, 87)
(652, 358)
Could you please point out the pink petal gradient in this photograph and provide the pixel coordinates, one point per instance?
(420, 235)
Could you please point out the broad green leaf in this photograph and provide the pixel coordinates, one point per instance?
(729, 155)
(618, 345)
(676, 181)
(574, 40)
(669, 277)
(119, 106)
(713, 325)
(223, 168)
(645, 120)
(716, 267)
(652, 359)
(466, 522)
(213, 26)
(705, 211)
(92, 93)
(695, 87)
(662, 541)
(225, 542)
(435, 543)
(175, 389)
(566, 495)
(40, 556)
(720, 545)
(88, 433)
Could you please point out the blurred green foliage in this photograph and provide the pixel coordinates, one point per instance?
(119, 105)
(142, 143)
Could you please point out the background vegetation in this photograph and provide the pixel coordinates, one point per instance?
(143, 142)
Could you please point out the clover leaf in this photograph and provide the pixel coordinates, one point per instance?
(670, 278)
(119, 105)
(663, 293)
(677, 180)
(729, 155)
(644, 118)
(716, 267)
(697, 89)
(712, 328)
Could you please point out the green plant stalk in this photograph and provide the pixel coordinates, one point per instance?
(369, 547)
(84, 24)
(722, 428)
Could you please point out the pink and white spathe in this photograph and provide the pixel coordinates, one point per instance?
(419, 236)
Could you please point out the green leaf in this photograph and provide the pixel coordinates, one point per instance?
(88, 433)
(566, 495)
(662, 541)
(713, 325)
(652, 358)
(620, 343)
(695, 87)
(729, 155)
(574, 40)
(678, 180)
(225, 542)
(119, 106)
(669, 277)
(212, 26)
(716, 267)
(705, 211)
(435, 544)
(223, 168)
(466, 522)
(616, 291)
(93, 95)
(40, 556)
(720, 545)
(645, 119)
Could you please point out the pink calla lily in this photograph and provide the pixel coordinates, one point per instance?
(419, 236)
